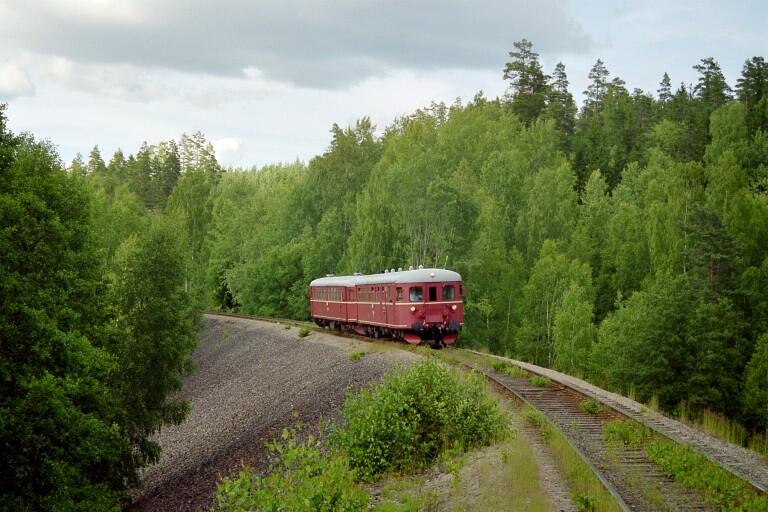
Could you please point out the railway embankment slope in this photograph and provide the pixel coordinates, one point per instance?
(252, 380)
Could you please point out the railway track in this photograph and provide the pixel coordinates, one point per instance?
(637, 483)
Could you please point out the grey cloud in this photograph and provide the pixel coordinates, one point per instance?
(328, 44)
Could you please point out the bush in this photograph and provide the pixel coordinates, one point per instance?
(304, 331)
(413, 416)
(300, 478)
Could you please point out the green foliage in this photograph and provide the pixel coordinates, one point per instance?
(626, 433)
(357, 355)
(756, 385)
(301, 478)
(508, 368)
(692, 469)
(590, 406)
(539, 381)
(413, 416)
(305, 331)
(160, 326)
(62, 426)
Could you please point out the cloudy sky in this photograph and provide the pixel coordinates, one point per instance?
(265, 80)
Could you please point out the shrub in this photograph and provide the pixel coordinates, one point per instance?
(304, 331)
(301, 478)
(414, 415)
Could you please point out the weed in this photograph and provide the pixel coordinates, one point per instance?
(539, 381)
(357, 355)
(536, 417)
(300, 478)
(304, 332)
(584, 503)
(692, 469)
(287, 327)
(626, 433)
(508, 369)
(590, 406)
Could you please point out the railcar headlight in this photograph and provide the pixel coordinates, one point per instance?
(413, 309)
(454, 307)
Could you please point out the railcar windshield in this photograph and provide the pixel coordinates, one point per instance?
(416, 294)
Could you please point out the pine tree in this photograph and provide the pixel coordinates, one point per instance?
(528, 86)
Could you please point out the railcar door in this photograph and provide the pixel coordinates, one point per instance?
(352, 304)
(433, 309)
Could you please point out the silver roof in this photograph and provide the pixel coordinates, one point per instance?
(421, 275)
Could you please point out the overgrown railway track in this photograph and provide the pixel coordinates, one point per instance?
(637, 483)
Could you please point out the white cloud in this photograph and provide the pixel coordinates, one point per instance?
(229, 151)
(14, 81)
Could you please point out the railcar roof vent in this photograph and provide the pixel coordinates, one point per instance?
(421, 267)
(358, 273)
(400, 269)
(410, 268)
(328, 275)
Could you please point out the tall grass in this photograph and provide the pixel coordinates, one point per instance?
(725, 429)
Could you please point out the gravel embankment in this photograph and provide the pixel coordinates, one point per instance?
(252, 380)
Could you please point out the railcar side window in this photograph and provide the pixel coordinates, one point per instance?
(399, 294)
(432, 293)
(449, 292)
(416, 294)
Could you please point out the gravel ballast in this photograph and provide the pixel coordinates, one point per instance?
(252, 380)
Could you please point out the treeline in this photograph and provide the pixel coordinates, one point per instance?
(95, 331)
(623, 240)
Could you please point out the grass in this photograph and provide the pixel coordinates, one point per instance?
(357, 355)
(304, 331)
(590, 406)
(688, 467)
(539, 381)
(587, 491)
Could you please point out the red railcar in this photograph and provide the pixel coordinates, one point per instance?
(413, 305)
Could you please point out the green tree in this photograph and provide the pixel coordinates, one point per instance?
(550, 209)
(62, 427)
(596, 90)
(574, 332)
(756, 386)
(542, 298)
(161, 325)
(752, 91)
(528, 86)
(641, 345)
(561, 107)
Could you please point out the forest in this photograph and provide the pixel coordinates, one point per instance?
(622, 240)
